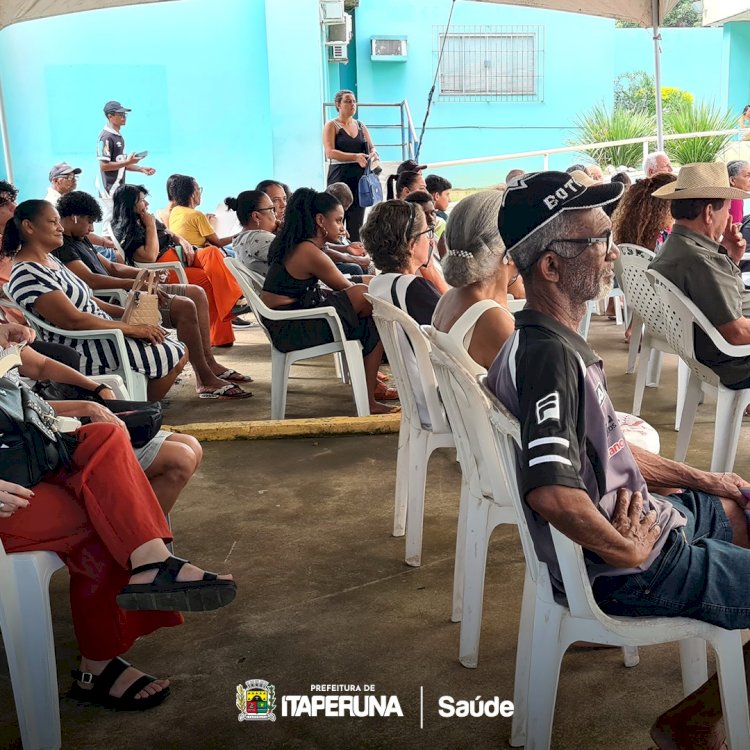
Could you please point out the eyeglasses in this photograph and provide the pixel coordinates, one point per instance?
(68, 177)
(268, 208)
(429, 232)
(605, 240)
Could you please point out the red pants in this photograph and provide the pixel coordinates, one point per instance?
(211, 273)
(94, 516)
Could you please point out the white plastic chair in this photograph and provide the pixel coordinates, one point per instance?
(681, 314)
(171, 265)
(135, 382)
(26, 626)
(648, 330)
(555, 626)
(281, 362)
(487, 503)
(417, 440)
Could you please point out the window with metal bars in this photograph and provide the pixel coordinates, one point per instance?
(491, 63)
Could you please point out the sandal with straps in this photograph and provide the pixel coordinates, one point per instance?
(165, 593)
(101, 684)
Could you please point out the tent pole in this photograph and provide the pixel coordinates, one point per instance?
(657, 77)
(4, 136)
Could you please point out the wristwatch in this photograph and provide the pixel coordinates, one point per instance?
(102, 387)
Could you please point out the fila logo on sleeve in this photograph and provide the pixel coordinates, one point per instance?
(548, 407)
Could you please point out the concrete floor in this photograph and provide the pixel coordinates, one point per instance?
(325, 597)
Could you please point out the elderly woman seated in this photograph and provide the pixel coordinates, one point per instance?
(40, 284)
(397, 237)
(100, 514)
(475, 312)
(257, 217)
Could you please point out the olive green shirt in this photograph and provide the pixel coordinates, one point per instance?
(701, 269)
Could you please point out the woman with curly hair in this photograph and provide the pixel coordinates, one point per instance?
(397, 238)
(296, 264)
(641, 219)
(144, 239)
(475, 311)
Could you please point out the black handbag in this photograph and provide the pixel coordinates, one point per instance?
(30, 445)
(142, 418)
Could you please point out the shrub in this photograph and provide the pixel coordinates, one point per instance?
(604, 124)
(689, 117)
(635, 91)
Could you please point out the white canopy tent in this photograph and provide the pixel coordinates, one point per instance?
(13, 11)
(643, 12)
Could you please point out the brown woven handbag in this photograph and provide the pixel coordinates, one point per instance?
(142, 307)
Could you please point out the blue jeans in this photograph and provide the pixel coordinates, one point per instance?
(699, 573)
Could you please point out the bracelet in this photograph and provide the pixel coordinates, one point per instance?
(102, 387)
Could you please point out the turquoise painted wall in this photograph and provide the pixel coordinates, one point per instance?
(213, 92)
(572, 82)
(736, 76)
(691, 59)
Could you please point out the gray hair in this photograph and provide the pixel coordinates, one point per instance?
(650, 161)
(475, 247)
(736, 166)
(528, 251)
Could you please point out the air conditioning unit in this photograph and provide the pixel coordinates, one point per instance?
(337, 52)
(388, 49)
(332, 11)
(340, 32)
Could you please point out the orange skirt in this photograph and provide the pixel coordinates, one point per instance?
(94, 516)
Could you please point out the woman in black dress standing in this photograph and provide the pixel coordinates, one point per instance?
(348, 146)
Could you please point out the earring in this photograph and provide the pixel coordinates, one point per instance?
(75, 220)
(257, 222)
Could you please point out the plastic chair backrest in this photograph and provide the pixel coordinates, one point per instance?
(455, 348)
(248, 284)
(394, 324)
(630, 269)
(680, 314)
(468, 414)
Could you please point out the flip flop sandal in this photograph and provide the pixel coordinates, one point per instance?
(226, 392)
(234, 377)
(383, 377)
(98, 694)
(166, 594)
(384, 393)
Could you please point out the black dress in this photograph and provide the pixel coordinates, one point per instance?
(349, 173)
(291, 335)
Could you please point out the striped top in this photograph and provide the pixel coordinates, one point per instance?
(29, 281)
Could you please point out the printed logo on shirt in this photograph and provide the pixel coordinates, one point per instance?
(548, 408)
(616, 447)
(600, 395)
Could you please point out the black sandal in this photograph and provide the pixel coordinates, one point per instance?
(99, 695)
(167, 594)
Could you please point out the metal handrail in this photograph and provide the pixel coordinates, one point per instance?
(645, 140)
(406, 125)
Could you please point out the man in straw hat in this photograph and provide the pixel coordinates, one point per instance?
(650, 549)
(701, 258)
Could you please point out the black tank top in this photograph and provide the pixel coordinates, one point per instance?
(344, 142)
(279, 281)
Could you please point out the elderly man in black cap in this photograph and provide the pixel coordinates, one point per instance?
(659, 538)
(112, 160)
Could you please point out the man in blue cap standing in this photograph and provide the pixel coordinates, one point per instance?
(112, 160)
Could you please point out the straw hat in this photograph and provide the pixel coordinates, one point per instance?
(700, 181)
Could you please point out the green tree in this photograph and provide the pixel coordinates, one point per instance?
(682, 15)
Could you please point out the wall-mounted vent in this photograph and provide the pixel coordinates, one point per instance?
(337, 53)
(332, 11)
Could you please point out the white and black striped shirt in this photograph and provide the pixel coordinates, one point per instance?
(29, 281)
